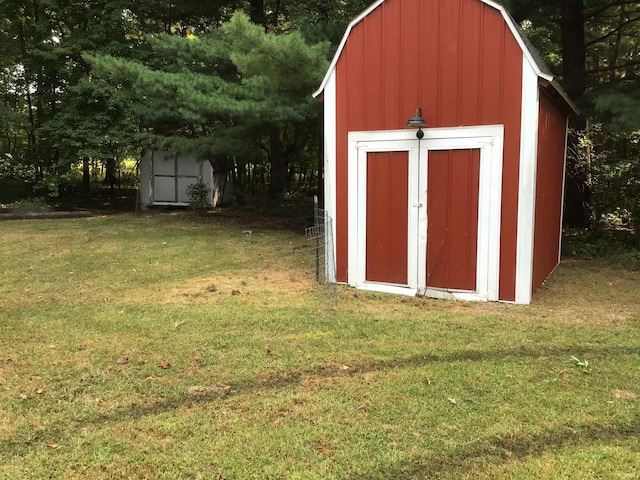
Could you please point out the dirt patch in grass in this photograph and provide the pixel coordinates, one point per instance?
(578, 293)
(274, 288)
(582, 293)
(624, 395)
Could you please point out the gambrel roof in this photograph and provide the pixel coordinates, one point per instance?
(539, 66)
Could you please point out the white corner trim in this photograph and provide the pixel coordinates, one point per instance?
(564, 186)
(527, 185)
(330, 174)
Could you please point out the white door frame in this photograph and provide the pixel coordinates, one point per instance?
(489, 139)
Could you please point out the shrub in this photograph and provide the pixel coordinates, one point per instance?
(199, 195)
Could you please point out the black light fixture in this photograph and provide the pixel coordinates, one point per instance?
(417, 121)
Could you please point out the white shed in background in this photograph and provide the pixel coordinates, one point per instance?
(165, 177)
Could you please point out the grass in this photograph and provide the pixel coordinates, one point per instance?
(167, 346)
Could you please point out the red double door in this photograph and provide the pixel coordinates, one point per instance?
(405, 192)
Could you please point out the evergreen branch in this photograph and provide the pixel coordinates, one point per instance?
(604, 8)
(611, 32)
(616, 67)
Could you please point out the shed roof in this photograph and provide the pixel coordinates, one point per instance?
(530, 53)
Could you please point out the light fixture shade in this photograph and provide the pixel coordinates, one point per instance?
(417, 121)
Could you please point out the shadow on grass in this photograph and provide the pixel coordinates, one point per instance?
(495, 449)
(499, 450)
(563, 354)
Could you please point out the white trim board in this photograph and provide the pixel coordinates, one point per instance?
(564, 189)
(330, 174)
(527, 186)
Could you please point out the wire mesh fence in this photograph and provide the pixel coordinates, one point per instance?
(321, 237)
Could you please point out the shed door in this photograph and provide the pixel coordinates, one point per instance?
(424, 217)
(172, 175)
(164, 178)
(387, 222)
(453, 187)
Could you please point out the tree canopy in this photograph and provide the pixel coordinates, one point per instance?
(90, 82)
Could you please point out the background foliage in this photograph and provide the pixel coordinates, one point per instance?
(86, 84)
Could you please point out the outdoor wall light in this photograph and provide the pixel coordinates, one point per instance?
(417, 121)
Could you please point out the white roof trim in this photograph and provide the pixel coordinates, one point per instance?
(356, 21)
(529, 55)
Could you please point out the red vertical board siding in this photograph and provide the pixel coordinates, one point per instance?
(549, 182)
(449, 73)
(374, 68)
(391, 45)
(459, 62)
(387, 217)
(471, 61)
(412, 59)
(452, 214)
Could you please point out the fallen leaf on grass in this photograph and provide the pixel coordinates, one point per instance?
(452, 400)
(323, 447)
(429, 380)
(344, 367)
(165, 366)
(40, 391)
(624, 395)
(52, 446)
(215, 391)
(23, 396)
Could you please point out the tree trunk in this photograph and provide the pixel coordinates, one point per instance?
(256, 12)
(277, 185)
(574, 69)
(31, 137)
(86, 176)
(110, 176)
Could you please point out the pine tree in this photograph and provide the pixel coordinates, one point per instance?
(224, 94)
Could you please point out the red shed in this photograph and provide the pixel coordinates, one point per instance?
(474, 209)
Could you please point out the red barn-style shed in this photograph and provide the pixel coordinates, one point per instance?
(474, 209)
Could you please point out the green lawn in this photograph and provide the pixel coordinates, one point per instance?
(168, 347)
